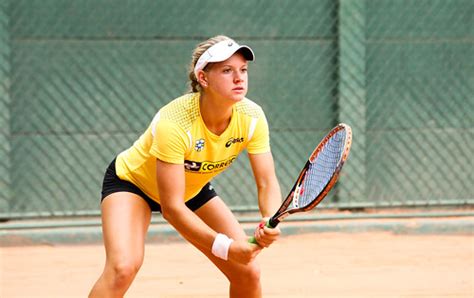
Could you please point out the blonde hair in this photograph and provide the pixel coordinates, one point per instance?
(194, 85)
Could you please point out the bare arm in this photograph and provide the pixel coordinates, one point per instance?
(269, 195)
(170, 179)
(171, 185)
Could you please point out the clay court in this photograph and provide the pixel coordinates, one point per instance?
(323, 264)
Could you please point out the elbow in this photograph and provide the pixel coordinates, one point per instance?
(166, 213)
(170, 212)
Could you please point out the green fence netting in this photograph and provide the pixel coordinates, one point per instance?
(81, 80)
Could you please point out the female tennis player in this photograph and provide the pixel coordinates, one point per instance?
(170, 167)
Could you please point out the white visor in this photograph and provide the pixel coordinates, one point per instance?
(222, 51)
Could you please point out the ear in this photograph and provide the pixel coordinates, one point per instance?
(202, 78)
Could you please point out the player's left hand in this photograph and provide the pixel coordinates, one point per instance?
(264, 235)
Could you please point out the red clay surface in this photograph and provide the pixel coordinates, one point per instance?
(309, 265)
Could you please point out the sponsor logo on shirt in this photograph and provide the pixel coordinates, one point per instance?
(208, 166)
(192, 166)
(233, 141)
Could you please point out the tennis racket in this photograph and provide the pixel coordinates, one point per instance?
(318, 176)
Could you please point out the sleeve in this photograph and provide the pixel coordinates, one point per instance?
(260, 138)
(169, 142)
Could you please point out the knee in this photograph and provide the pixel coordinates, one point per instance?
(124, 272)
(249, 275)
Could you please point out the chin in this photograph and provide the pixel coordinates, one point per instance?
(238, 97)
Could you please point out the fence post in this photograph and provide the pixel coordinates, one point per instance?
(352, 97)
(5, 140)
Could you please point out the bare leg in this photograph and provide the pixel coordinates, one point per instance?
(125, 221)
(244, 279)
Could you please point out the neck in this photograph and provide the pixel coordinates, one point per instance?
(215, 113)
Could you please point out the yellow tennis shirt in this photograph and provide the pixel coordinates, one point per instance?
(178, 135)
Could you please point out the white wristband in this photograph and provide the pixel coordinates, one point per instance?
(220, 247)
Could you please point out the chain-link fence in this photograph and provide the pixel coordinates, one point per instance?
(81, 80)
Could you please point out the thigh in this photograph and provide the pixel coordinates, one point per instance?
(125, 220)
(217, 215)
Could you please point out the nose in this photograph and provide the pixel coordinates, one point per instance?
(238, 77)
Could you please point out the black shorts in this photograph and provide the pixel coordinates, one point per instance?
(112, 183)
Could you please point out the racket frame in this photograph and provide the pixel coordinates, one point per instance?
(283, 211)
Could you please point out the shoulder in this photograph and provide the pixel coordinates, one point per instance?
(249, 108)
(182, 111)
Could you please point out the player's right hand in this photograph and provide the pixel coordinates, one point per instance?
(243, 252)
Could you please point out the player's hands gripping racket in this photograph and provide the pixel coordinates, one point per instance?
(318, 176)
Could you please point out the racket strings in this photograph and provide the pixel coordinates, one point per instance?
(322, 168)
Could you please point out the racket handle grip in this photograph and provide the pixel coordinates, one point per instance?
(253, 240)
(268, 224)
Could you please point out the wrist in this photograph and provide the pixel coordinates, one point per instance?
(221, 245)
